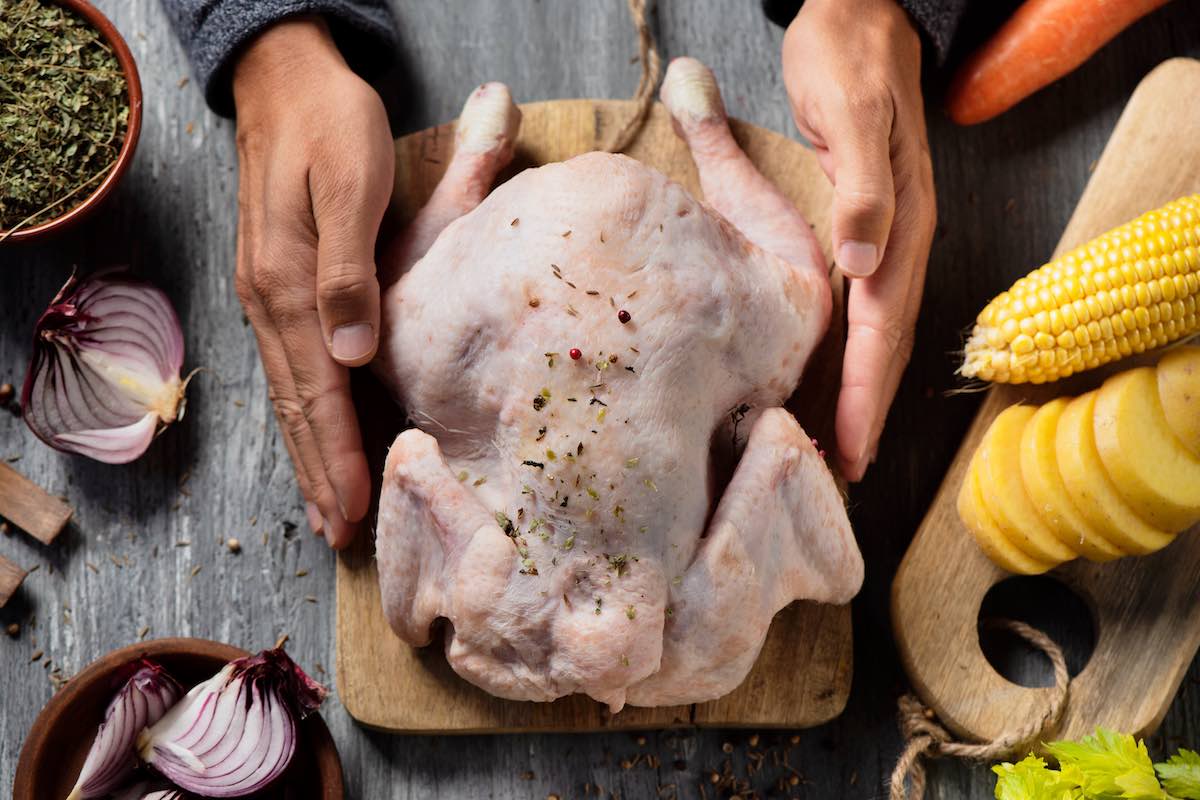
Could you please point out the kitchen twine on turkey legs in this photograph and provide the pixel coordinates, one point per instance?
(925, 737)
(644, 96)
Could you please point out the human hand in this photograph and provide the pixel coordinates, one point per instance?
(315, 175)
(852, 70)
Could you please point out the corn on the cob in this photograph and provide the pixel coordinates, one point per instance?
(1133, 289)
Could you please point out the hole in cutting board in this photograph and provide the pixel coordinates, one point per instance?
(1045, 604)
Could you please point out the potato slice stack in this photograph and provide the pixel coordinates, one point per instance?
(1110, 473)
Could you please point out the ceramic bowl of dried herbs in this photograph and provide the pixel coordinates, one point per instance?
(70, 113)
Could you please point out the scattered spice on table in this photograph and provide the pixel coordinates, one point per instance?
(234, 545)
(13, 629)
(64, 111)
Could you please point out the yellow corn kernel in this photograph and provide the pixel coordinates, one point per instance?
(1069, 317)
(1022, 344)
(1129, 290)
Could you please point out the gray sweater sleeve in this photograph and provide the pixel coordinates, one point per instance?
(937, 19)
(213, 31)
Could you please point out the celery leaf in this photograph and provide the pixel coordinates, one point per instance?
(1111, 765)
(1031, 779)
(1180, 774)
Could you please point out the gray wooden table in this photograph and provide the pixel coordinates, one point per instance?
(127, 566)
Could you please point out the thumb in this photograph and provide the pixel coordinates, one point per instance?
(864, 194)
(347, 286)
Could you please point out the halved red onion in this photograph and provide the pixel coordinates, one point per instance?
(235, 733)
(104, 375)
(141, 702)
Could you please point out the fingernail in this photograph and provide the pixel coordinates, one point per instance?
(352, 341)
(328, 533)
(314, 517)
(858, 259)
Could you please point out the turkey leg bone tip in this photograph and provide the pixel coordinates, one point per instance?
(555, 503)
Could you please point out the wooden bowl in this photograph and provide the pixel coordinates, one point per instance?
(62, 734)
(133, 127)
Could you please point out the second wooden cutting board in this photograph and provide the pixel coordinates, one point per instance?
(802, 677)
(1146, 610)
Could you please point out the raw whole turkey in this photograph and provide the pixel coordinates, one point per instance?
(580, 351)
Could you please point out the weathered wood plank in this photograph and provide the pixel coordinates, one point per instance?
(1006, 190)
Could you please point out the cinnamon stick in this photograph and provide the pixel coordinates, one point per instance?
(10, 579)
(30, 507)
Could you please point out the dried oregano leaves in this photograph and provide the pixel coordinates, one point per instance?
(64, 111)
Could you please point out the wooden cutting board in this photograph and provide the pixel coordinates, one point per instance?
(1146, 610)
(802, 677)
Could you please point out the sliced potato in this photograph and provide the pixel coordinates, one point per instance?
(994, 544)
(1004, 495)
(1039, 470)
(1179, 391)
(1091, 488)
(1152, 470)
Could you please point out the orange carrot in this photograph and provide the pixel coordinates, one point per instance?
(1043, 41)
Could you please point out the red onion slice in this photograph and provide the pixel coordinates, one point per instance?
(141, 702)
(147, 791)
(104, 375)
(235, 733)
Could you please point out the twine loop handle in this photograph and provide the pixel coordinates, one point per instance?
(926, 738)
